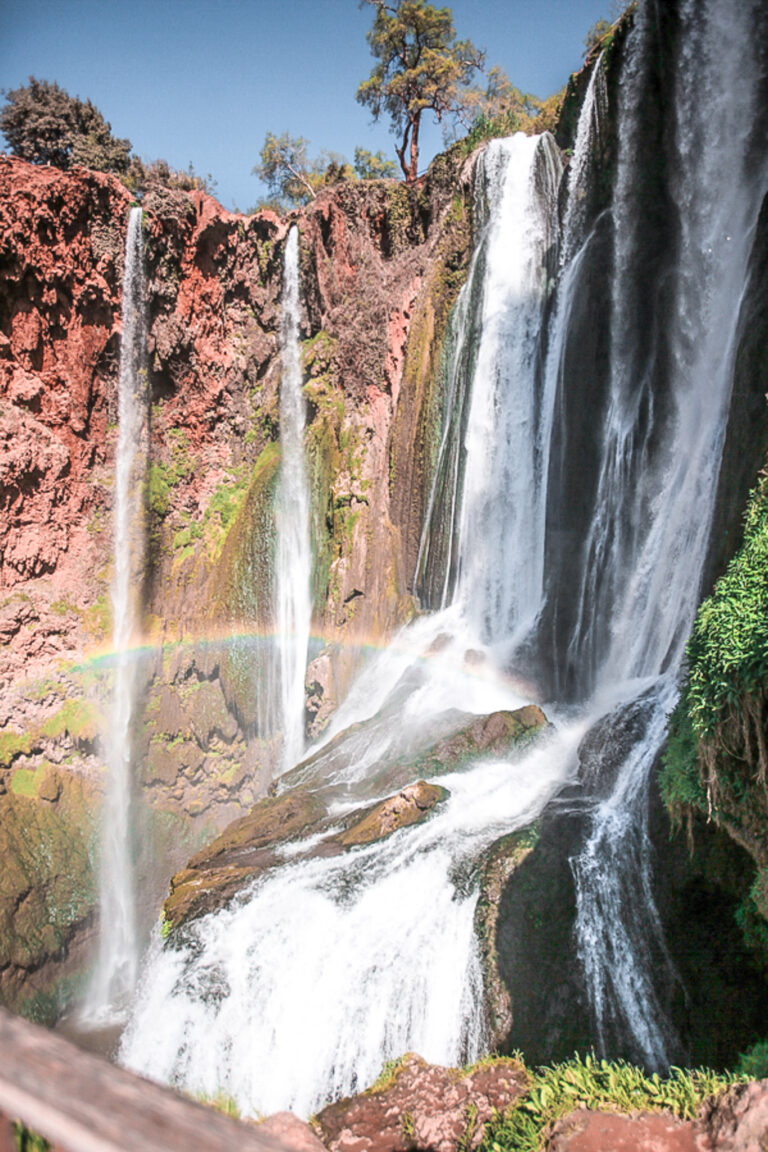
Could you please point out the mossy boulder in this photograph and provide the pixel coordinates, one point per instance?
(483, 737)
(47, 882)
(446, 743)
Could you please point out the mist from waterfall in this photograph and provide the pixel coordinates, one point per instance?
(293, 560)
(114, 978)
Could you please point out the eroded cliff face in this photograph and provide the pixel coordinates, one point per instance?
(380, 268)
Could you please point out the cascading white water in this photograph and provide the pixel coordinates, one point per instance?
(646, 548)
(328, 967)
(293, 561)
(589, 132)
(496, 419)
(331, 967)
(501, 537)
(114, 978)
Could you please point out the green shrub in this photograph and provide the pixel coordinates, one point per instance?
(753, 1064)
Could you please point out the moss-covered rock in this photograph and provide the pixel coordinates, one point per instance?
(503, 858)
(47, 883)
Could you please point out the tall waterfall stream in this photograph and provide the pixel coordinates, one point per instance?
(114, 978)
(293, 562)
(325, 968)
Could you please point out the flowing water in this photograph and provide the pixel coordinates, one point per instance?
(293, 561)
(114, 978)
(660, 464)
(327, 967)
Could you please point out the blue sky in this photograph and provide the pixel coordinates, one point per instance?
(203, 81)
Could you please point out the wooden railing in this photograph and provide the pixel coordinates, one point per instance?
(81, 1103)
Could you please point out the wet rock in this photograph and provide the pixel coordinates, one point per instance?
(505, 856)
(239, 854)
(483, 736)
(422, 1106)
(409, 806)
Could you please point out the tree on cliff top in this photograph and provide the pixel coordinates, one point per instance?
(291, 177)
(46, 125)
(421, 67)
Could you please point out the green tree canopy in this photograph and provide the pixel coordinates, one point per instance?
(46, 125)
(372, 165)
(289, 174)
(286, 170)
(421, 67)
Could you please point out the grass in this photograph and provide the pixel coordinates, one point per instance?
(598, 1085)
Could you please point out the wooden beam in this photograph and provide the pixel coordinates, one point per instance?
(82, 1103)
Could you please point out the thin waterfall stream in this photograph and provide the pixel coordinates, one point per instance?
(293, 563)
(114, 978)
(326, 967)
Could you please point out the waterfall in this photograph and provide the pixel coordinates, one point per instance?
(495, 441)
(114, 979)
(293, 607)
(661, 454)
(327, 967)
(589, 135)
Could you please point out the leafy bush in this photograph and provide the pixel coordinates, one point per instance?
(46, 125)
(753, 1064)
(717, 740)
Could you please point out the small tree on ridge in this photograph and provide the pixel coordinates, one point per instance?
(421, 67)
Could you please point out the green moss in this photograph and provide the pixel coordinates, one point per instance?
(13, 744)
(47, 882)
(243, 585)
(97, 619)
(388, 1075)
(79, 719)
(26, 781)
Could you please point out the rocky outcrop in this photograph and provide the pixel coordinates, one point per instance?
(422, 1106)
(247, 848)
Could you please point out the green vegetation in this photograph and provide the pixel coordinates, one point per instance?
(163, 478)
(596, 35)
(597, 1084)
(753, 1064)
(372, 165)
(717, 747)
(77, 718)
(27, 1141)
(291, 177)
(421, 67)
(46, 125)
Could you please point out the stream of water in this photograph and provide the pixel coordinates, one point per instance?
(114, 978)
(293, 562)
